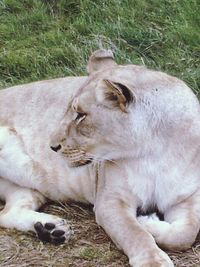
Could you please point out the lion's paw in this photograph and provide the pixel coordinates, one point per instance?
(157, 258)
(149, 222)
(55, 233)
(143, 219)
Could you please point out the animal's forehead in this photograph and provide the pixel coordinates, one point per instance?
(82, 102)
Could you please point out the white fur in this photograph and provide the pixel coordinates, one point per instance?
(149, 156)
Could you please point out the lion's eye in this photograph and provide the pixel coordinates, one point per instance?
(80, 116)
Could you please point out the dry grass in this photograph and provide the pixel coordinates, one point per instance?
(89, 247)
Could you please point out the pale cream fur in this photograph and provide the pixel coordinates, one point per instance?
(140, 129)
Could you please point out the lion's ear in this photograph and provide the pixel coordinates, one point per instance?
(119, 95)
(100, 60)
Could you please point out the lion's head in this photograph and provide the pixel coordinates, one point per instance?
(106, 120)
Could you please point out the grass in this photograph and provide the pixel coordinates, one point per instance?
(42, 39)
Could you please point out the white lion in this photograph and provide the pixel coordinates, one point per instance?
(126, 138)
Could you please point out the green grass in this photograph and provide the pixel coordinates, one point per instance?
(48, 38)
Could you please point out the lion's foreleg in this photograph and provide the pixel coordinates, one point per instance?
(115, 215)
(181, 225)
(20, 212)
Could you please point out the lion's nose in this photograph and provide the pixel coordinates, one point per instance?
(56, 148)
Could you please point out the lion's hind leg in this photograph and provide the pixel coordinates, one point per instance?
(20, 213)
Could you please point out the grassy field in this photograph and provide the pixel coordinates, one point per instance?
(48, 38)
(42, 39)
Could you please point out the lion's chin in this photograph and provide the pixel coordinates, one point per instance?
(76, 164)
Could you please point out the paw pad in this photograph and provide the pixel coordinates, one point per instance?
(49, 233)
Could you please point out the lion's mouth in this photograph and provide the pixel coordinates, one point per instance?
(79, 163)
(76, 158)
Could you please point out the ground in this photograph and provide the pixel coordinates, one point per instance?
(89, 246)
(43, 39)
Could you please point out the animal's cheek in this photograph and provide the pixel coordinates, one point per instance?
(86, 131)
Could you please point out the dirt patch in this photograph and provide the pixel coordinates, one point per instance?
(89, 247)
